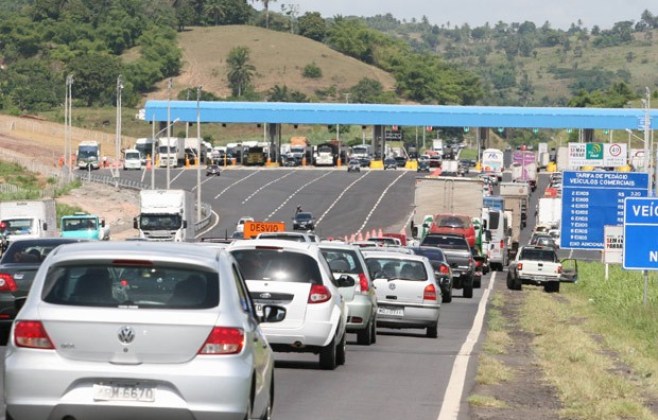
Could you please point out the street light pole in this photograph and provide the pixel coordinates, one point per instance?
(198, 158)
(117, 140)
(69, 126)
(169, 86)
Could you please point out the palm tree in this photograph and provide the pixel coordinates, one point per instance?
(214, 9)
(266, 6)
(240, 71)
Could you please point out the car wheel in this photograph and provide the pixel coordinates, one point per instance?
(447, 298)
(373, 335)
(328, 356)
(364, 337)
(267, 415)
(433, 331)
(468, 290)
(341, 350)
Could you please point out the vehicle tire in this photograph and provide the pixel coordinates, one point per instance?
(328, 356)
(250, 408)
(267, 415)
(447, 298)
(433, 331)
(468, 290)
(364, 337)
(373, 335)
(341, 350)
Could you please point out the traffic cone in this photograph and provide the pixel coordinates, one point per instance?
(367, 236)
(187, 162)
(360, 237)
(352, 238)
(148, 163)
(345, 239)
(373, 234)
(380, 232)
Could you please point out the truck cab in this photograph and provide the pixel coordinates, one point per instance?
(82, 225)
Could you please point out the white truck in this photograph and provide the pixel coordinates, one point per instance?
(563, 159)
(132, 159)
(450, 168)
(434, 195)
(27, 220)
(492, 162)
(171, 151)
(549, 211)
(166, 216)
(539, 265)
(516, 203)
(437, 146)
(195, 150)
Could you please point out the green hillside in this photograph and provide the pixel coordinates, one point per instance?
(279, 59)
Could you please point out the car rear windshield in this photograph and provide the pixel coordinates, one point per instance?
(538, 255)
(450, 242)
(494, 220)
(388, 268)
(343, 261)
(430, 252)
(128, 286)
(304, 216)
(277, 265)
(28, 252)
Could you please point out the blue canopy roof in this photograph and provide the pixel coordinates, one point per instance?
(403, 115)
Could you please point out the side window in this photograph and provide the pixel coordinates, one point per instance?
(245, 299)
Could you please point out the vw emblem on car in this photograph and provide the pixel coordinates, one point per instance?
(265, 295)
(391, 286)
(126, 335)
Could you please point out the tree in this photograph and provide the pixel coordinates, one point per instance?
(313, 26)
(240, 71)
(95, 77)
(266, 6)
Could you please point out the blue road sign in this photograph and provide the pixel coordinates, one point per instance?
(592, 200)
(640, 234)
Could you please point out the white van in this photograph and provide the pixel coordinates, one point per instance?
(132, 159)
(495, 244)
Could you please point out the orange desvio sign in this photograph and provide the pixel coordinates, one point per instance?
(251, 229)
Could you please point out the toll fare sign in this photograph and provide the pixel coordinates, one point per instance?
(252, 229)
(592, 200)
(640, 233)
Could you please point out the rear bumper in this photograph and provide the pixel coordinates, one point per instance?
(414, 316)
(538, 280)
(311, 334)
(359, 312)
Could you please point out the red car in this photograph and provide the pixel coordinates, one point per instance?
(456, 224)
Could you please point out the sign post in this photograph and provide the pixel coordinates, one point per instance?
(591, 200)
(614, 243)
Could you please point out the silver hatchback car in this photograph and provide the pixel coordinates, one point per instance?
(139, 330)
(407, 293)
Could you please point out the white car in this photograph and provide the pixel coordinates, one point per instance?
(296, 276)
(240, 226)
(408, 295)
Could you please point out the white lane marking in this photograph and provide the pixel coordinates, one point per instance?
(266, 185)
(339, 197)
(177, 176)
(294, 194)
(208, 229)
(453, 396)
(236, 182)
(208, 178)
(381, 197)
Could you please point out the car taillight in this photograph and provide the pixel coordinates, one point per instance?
(363, 282)
(478, 263)
(502, 243)
(223, 341)
(519, 266)
(444, 269)
(558, 269)
(429, 293)
(318, 294)
(31, 334)
(7, 283)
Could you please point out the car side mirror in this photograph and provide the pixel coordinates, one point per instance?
(345, 281)
(45, 226)
(103, 223)
(414, 231)
(273, 313)
(184, 224)
(135, 224)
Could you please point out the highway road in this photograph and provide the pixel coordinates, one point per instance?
(403, 375)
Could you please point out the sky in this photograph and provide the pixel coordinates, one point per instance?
(560, 13)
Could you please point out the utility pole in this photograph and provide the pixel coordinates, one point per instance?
(198, 158)
(170, 85)
(68, 124)
(117, 140)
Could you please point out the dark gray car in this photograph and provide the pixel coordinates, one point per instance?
(458, 253)
(18, 266)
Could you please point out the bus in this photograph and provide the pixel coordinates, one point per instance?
(89, 155)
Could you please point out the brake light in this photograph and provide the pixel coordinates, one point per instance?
(363, 282)
(133, 263)
(444, 269)
(223, 341)
(502, 243)
(31, 334)
(318, 294)
(429, 293)
(7, 283)
(519, 266)
(478, 263)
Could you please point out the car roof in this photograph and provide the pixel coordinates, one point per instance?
(337, 245)
(275, 243)
(392, 255)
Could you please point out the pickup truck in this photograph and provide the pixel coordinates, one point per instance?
(459, 256)
(539, 265)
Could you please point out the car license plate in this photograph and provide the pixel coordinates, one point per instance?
(390, 311)
(139, 393)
